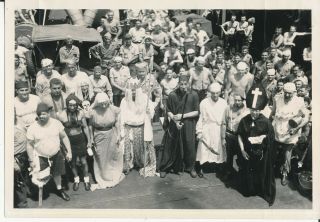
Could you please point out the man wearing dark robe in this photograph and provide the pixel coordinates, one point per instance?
(179, 141)
(256, 138)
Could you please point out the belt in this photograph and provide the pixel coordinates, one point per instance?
(134, 126)
(103, 128)
(136, 42)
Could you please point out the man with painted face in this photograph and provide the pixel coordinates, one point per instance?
(25, 104)
(179, 140)
(289, 116)
(44, 138)
(211, 129)
(256, 139)
(44, 76)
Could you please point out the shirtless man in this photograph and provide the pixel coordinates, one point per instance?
(240, 82)
(230, 70)
(200, 78)
(277, 40)
(234, 114)
(168, 84)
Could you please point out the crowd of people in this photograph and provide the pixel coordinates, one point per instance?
(213, 101)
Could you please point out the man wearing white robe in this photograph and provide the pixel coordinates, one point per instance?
(211, 128)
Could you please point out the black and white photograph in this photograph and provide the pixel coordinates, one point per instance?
(193, 109)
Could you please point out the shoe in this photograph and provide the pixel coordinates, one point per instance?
(163, 174)
(63, 195)
(87, 186)
(75, 186)
(200, 174)
(284, 180)
(126, 172)
(193, 173)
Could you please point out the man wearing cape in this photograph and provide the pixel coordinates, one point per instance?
(256, 138)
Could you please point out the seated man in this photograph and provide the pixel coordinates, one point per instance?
(129, 52)
(173, 58)
(69, 52)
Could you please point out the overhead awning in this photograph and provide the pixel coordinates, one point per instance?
(60, 32)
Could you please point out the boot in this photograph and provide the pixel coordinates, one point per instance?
(63, 195)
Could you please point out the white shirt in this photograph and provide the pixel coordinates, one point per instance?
(137, 35)
(73, 84)
(46, 138)
(26, 111)
(169, 85)
(285, 112)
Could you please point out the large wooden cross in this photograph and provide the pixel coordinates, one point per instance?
(256, 94)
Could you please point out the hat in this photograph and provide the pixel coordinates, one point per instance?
(108, 34)
(256, 97)
(100, 98)
(190, 51)
(127, 36)
(21, 84)
(289, 87)
(141, 66)
(42, 107)
(271, 71)
(113, 30)
(215, 87)
(242, 65)
(286, 52)
(46, 62)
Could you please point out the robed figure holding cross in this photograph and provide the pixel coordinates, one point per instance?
(256, 138)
